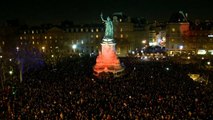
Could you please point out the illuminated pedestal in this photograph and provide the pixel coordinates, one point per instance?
(107, 61)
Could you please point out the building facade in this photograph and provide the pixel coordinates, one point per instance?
(131, 35)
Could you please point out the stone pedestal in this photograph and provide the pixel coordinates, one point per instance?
(107, 60)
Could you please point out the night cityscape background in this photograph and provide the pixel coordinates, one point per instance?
(58, 61)
(41, 11)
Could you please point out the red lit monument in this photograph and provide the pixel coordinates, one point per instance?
(107, 60)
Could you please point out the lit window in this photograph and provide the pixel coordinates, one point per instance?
(25, 32)
(173, 29)
(96, 36)
(32, 31)
(120, 20)
(21, 38)
(50, 37)
(121, 30)
(3, 42)
(121, 35)
(21, 43)
(92, 30)
(33, 37)
(173, 40)
(45, 37)
(96, 30)
(33, 42)
(82, 29)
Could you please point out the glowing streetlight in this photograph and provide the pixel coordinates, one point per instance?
(144, 41)
(10, 72)
(188, 57)
(208, 63)
(74, 46)
(43, 48)
(17, 48)
(181, 47)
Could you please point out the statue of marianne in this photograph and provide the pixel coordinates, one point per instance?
(108, 27)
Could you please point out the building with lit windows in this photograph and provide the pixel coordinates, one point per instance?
(132, 35)
(51, 39)
(176, 29)
(8, 37)
(184, 35)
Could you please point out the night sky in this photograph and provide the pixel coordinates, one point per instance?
(88, 11)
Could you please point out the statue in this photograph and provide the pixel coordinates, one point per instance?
(108, 27)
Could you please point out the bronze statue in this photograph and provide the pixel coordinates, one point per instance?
(108, 27)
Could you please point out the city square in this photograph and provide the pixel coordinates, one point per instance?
(119, 66)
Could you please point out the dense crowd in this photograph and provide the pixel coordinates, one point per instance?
(147, 90)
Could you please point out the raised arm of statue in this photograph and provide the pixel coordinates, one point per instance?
(102, 18)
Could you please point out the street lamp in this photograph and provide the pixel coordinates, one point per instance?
(74, 46)
(188, 57)
(17, 48)
(144, 41)
(10, 72)
(181, 47)
(43, 49)
(208, 63)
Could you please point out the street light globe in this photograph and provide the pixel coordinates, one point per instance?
(208, 63)
(144, 41)
(17, 48)
(43, 48)
(188, 57)
(74, 46)
(181, 47)
(10, 72)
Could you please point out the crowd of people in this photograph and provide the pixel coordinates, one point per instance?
(147, 90)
